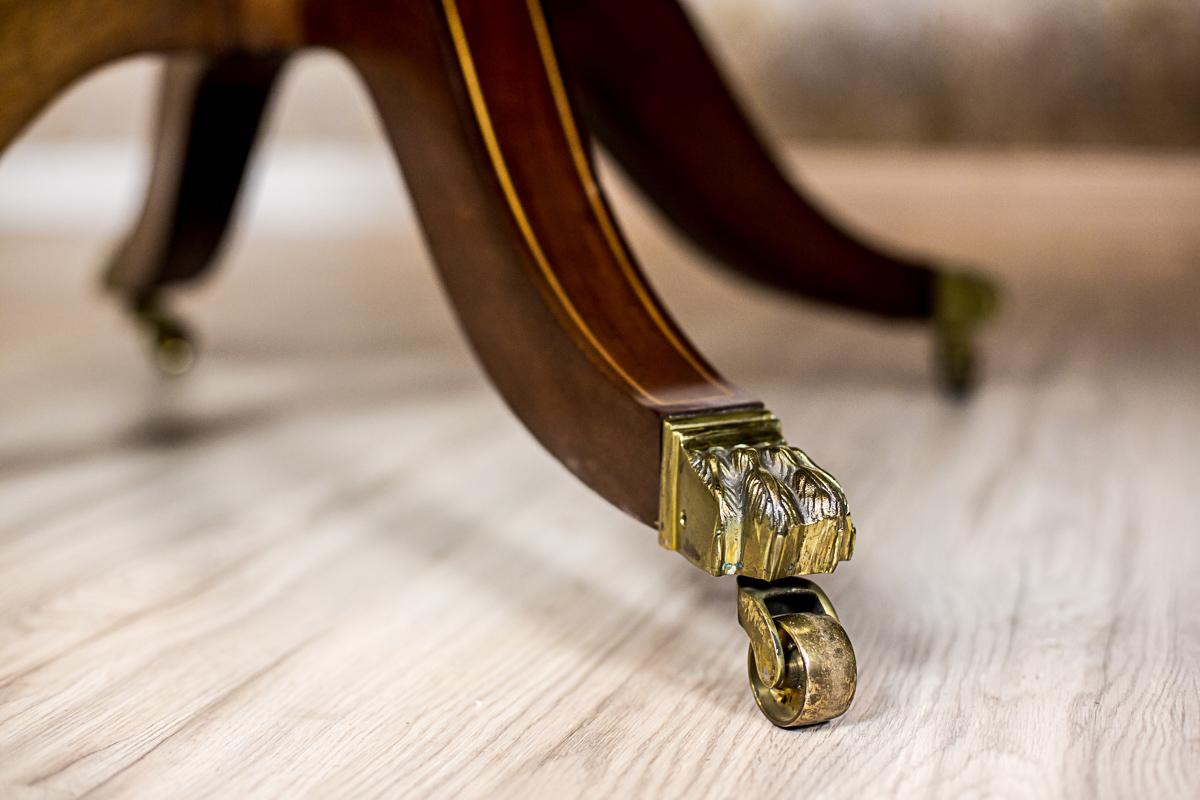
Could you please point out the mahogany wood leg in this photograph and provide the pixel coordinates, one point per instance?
(210, 112)
(649, 89)
(574, 338)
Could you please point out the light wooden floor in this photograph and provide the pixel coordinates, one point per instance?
(330, 564)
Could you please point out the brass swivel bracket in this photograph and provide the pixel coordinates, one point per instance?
(737, 499)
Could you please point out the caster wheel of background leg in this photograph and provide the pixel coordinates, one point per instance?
(172, 348)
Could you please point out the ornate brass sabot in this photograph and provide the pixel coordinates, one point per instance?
(736, 499)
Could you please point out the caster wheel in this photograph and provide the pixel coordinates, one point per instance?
(820, 675)
(801, 663)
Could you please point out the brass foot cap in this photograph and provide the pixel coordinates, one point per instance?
(963, 301)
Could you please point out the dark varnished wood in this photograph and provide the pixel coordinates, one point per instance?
(653, 96)
(209, 116)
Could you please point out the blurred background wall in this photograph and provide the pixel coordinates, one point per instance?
(1096, 72)
(1004, 72)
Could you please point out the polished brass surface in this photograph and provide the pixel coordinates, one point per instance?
(962, 302)
(172, 348)
(736, 499)
(801, 663)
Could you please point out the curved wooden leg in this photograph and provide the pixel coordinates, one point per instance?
(653, 95)
(566, 324)
(210, 112)
(47, 44)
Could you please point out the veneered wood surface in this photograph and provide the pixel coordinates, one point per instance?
(331, 563)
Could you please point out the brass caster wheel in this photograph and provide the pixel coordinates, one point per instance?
(173, 351)
(801, 662)
(962, 302)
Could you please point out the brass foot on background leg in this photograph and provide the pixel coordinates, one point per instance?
(801, 662)
(173, 351)
(963, 301)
